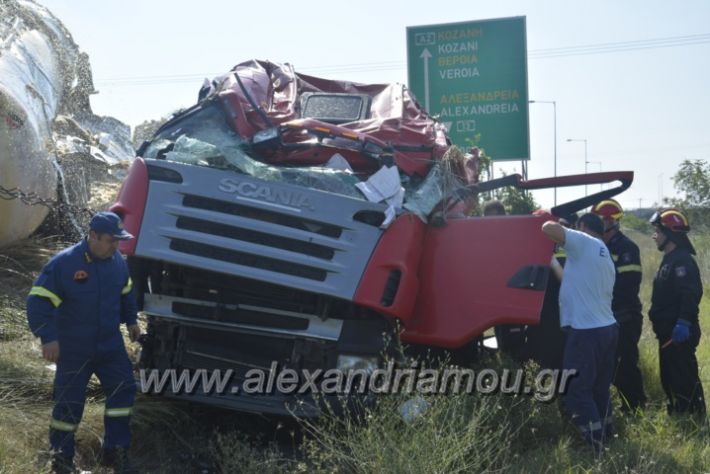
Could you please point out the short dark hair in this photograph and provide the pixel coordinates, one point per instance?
(592, 222)
(569, 220)
(493, 208)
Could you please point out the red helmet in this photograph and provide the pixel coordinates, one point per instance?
(608, 210)
(671, 219)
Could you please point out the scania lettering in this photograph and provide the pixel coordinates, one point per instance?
(252, 190)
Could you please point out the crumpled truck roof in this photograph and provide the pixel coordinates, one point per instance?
(263, 94)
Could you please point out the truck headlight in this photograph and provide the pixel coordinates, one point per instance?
(353, 362)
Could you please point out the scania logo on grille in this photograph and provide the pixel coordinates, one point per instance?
(265, 193)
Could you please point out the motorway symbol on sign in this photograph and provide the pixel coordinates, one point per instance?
(426, 56)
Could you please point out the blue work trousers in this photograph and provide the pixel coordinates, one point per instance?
(591, 353)
(114, 371)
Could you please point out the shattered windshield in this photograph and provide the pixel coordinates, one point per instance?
(203, 138)
(422, 196)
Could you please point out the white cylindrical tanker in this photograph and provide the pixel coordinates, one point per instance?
(37, 57)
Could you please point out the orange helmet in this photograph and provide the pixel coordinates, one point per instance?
(608, 210)
(671, 219)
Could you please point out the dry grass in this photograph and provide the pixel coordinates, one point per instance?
(459, 434)
(103, 194)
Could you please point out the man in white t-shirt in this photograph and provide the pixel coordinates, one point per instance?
(585, 312)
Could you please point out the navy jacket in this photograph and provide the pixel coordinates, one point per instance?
(677, 290)
(627, 261)
(80, 301)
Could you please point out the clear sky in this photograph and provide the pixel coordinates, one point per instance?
(643, 109)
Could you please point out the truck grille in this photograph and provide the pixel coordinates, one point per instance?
(246, 259)
(246, 235)
(206, 348)
(239, 316)
(321, 247)
(200, 202)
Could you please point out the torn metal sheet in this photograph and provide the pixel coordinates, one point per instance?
(261, 95)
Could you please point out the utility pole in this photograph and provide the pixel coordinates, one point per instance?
(586, 161)
(554, 115)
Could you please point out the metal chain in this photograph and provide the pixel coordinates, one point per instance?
(33, 199)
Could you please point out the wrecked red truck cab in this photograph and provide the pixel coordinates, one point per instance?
(310, 223)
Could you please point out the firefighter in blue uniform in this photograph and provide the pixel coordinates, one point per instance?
(625, 304)
(76, 307)
(677, 290)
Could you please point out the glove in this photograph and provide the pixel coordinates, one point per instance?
(681, 331)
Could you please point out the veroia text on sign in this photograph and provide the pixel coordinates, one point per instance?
(473, 76)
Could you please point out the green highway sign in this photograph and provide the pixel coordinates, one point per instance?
(474, 77)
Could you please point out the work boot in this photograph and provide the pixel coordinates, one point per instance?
(118, 459)
(63, 465)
